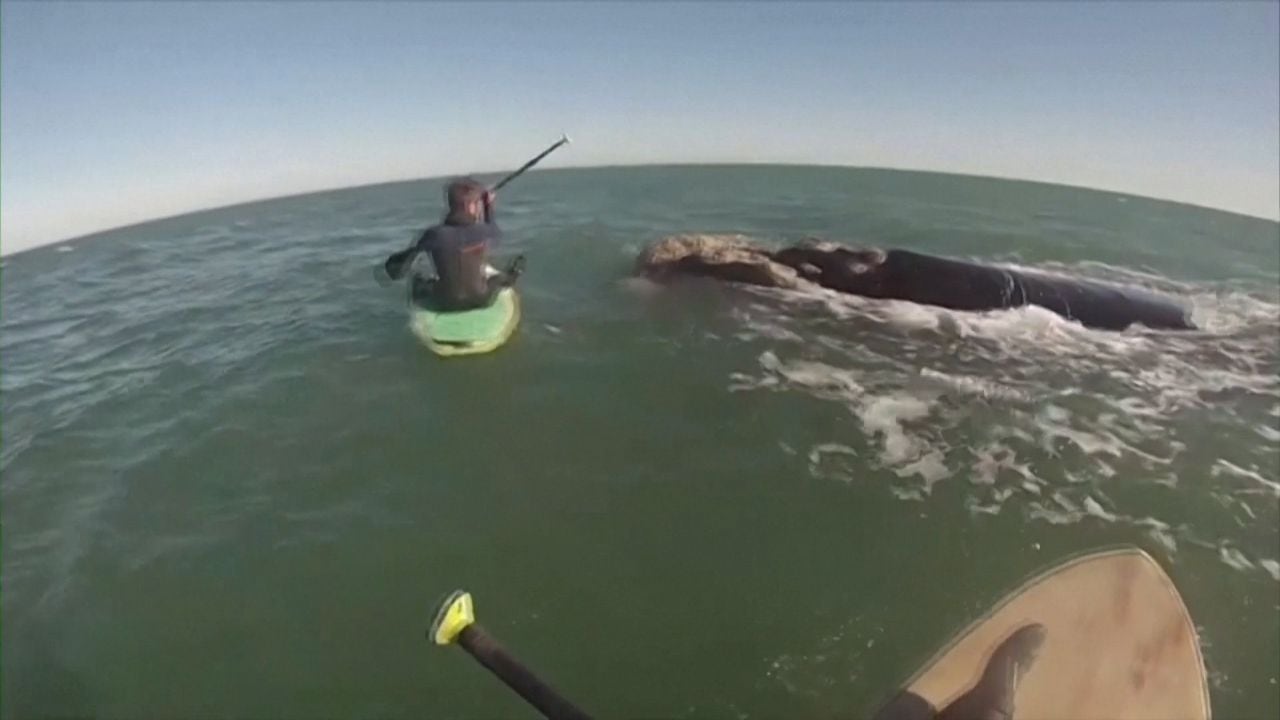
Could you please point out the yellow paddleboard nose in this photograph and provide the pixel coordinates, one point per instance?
(454, 615)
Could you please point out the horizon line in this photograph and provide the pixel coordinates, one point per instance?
(606, 166)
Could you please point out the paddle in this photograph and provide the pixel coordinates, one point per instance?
(398, 262)
(564, 140)
(455, 621)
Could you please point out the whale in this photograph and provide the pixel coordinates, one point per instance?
(899, 274)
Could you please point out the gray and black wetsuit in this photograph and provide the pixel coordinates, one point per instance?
(460, 255)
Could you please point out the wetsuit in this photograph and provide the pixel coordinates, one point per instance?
(992, 697)
(460, 255)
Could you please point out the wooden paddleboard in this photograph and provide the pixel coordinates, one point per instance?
(1119, 645)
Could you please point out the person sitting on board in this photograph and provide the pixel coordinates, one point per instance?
(459, 249)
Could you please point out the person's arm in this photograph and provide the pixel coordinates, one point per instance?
(426, 240)
(493, 234)
(421, 246)
(490, 199)
(397, 264)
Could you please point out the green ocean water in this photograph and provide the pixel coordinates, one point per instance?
(234, 484)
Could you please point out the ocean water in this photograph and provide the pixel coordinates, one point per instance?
(234, 484)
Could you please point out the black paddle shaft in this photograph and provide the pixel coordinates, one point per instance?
(481, 646)
(529, 164)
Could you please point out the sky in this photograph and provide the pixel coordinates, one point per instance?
(117, 112)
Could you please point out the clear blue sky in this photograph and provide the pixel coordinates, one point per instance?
(112, 113)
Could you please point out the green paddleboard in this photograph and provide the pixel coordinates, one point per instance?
(470, 332)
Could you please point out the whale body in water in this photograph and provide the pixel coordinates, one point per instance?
(916, 277)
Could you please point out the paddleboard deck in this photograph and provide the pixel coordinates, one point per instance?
(470, 332)
(1118, 644)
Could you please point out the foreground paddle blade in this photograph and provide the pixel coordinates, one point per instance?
(454, 616)
(455, 624)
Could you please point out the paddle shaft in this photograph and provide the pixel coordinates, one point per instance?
(531, 163)
(481, 646)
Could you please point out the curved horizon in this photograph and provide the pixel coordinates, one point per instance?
(119, 114)
(572, 168)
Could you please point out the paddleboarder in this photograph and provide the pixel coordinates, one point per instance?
(459, 248)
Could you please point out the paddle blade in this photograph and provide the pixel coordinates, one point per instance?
(455, 615)
(396, 265)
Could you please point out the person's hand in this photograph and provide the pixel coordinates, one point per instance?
(490, 197)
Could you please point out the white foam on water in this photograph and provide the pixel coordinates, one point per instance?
(883, 417)
(1049, 414)
(976, 508)
(991, 460)
(1064, 502)
(1088, 442)
(1268, 433)
(820, 376)
(1223, 466)
(976, 386)
(898, 426)
(824, 462)
(1234, 559)
(907, 493)
(1160, 533)
(1091, 507)
(1227, 311)
(741, 382)
(774, 331)
(817, 452)
(930, 468)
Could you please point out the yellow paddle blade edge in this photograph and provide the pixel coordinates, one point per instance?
(456, 613)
